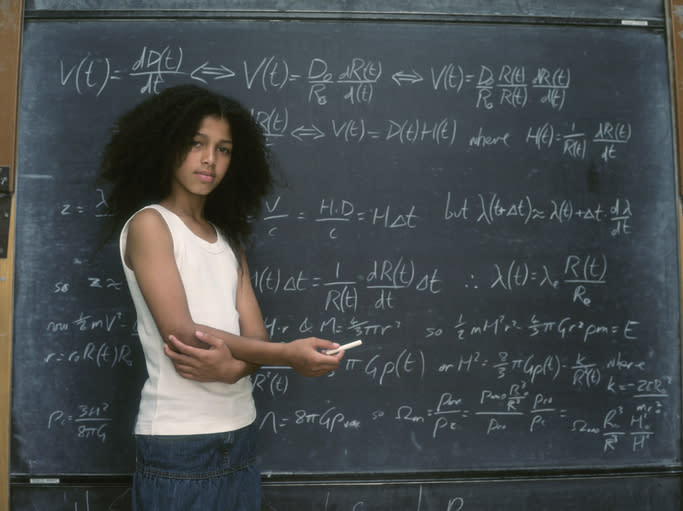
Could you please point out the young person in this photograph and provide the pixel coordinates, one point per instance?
(188, 168)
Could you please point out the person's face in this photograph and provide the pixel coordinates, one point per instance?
(208, 159)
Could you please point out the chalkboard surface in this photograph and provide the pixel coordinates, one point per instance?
(599, 494)
(490, 207)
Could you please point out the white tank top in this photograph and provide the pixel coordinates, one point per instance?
(169, 403)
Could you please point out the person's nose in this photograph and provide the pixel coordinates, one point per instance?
(208, 156)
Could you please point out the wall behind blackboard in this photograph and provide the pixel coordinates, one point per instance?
(490, 207)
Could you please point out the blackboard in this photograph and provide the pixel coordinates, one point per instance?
(490, 207)
(598, 494)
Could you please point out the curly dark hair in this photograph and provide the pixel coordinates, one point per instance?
(150, 141)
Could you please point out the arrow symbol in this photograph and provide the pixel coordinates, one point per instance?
(217, 72)
(302, 131)
(402, 76)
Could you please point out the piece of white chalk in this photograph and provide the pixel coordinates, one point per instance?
(344, 347)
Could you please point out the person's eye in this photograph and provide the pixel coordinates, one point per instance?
(225, 150)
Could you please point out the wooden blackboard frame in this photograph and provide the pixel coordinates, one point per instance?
(675, 26)
(583, 11)
(11, 22)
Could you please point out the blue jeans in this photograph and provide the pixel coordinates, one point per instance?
(197, 472)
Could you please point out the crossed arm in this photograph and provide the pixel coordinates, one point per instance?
(200, 352)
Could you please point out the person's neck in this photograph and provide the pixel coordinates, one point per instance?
(190, 209)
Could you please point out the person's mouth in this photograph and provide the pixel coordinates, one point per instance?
(205, 177)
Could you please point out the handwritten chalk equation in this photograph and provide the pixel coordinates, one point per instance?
(580, 273)
(278, 124)
(489, 208)
(104, 322)
(528, 404)
(535, 326)
(334, 214)
(66, 286)
(85, 422)
(575, 142)
(330, 326)
(101, 355)
(330, 420)
(355, 79)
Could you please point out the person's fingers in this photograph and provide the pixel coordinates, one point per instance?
(209, 339)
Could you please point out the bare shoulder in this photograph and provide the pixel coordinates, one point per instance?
(147, 230)
(148, 219)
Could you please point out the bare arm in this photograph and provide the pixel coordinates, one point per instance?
(303, 354)
(149, 253)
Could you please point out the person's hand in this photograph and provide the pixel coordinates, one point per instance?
(215, 363)
(306, 358)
